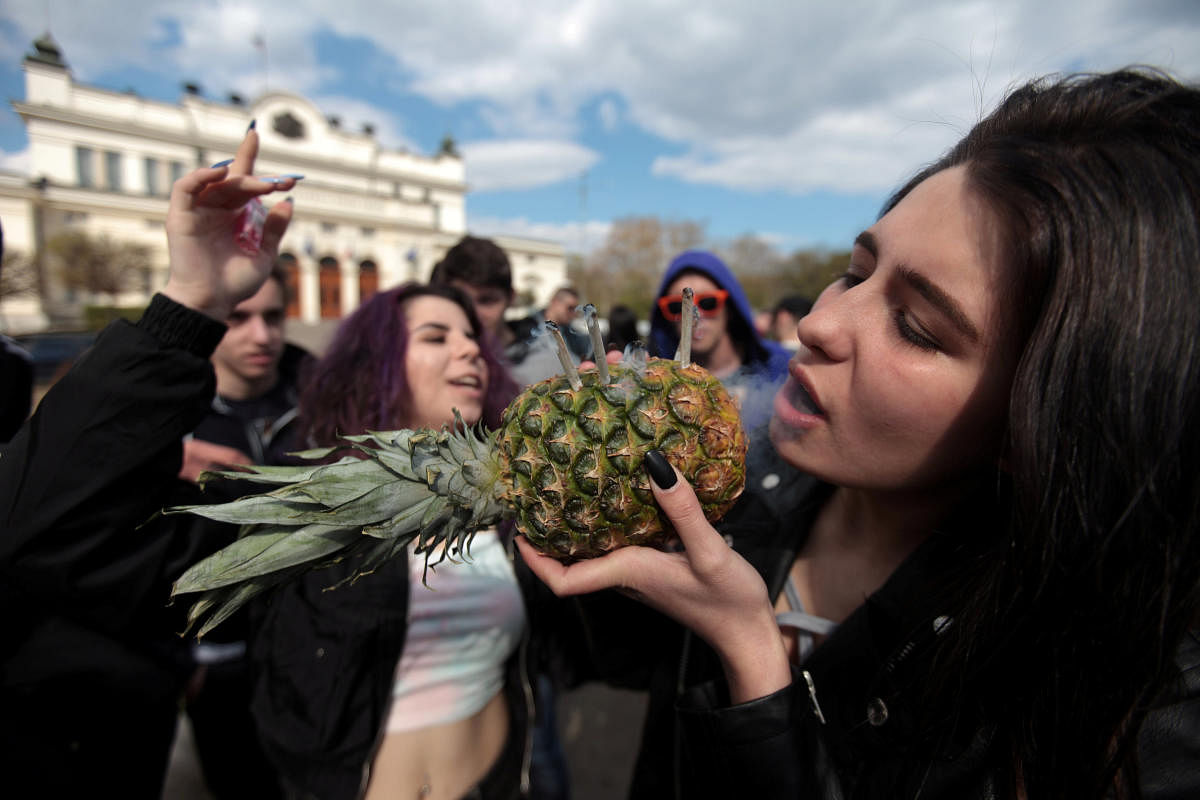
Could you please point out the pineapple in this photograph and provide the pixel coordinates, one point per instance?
(565, 464)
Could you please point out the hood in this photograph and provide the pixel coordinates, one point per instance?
(762, 355)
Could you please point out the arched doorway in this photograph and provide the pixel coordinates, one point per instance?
(330, 281)
(368, 280)
(291, 282)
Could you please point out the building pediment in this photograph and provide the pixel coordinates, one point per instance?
(289, 117)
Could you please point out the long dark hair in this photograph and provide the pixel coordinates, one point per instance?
(361, 382)
(1069, 632)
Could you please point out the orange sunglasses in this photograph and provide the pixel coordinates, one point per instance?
(709, 303)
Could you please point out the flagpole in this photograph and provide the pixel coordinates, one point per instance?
(260, 44)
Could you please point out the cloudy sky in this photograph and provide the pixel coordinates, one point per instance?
(788, 119)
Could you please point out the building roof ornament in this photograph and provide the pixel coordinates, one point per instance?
(46, 51)
(288, 126)
(448, 147)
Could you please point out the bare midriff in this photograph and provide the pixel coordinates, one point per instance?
(443, 761)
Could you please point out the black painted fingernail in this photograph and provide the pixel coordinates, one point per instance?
(660, 469)
(253, 123)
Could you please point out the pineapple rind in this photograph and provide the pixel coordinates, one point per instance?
(572, 459)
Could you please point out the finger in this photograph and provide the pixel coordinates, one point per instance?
(185, 190)
(617, 569)
(704, 546)
(243, 160)
(276, 225)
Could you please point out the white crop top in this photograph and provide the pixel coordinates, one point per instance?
(461, 630)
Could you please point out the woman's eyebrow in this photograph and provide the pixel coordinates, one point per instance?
(939, 300)
(441, 326)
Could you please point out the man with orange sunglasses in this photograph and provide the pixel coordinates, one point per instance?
(725, 342)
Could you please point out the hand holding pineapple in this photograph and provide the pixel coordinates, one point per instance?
(705, 586)
(209, 272)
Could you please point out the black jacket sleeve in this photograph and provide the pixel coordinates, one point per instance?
(1169, 742)
(95, 462)
(761, 749)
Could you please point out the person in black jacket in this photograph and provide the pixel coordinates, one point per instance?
(252, 420)
(992, 587)
(91, 661)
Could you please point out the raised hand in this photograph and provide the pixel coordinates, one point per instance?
(208, 272)
(706, 586)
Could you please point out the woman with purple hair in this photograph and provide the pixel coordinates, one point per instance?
(382, 684)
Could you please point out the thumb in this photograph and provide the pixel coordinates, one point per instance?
(678, 501)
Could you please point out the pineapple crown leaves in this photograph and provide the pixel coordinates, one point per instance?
(437, 488)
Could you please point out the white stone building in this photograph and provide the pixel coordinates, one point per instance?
(366, 217)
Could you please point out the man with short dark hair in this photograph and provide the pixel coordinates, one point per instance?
(481, 269)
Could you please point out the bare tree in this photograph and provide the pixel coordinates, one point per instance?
(18, 275)
(627, 267)
(750, 255)
(97, 264)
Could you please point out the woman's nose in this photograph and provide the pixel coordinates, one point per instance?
(827, 328)
(468, 347)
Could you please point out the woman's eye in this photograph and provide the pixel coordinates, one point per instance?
(913, 335)
(851, 280)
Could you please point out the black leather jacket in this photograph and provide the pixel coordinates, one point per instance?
(846, 726)
(325, 665)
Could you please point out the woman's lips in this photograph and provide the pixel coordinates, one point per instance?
(795, 406)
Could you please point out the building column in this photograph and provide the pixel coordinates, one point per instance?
(310, 291)
(350, 299)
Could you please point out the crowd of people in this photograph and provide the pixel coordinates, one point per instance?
(966, 563)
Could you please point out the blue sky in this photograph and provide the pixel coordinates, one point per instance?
(787, 120)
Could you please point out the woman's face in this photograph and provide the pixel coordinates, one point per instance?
(443, 363)
(902, 377)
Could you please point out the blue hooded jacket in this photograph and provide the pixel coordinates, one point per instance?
(764, 364)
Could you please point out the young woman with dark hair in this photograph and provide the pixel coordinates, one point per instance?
(380, 684)
(361, 383)
(992, 589)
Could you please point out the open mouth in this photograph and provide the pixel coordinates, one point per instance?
(470, 382)
(799, 398)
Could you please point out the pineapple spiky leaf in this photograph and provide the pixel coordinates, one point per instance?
(565, 465)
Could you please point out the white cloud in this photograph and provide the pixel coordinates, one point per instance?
(576, 237)
(759, 94)
(523, 163)
(609, 114)
(15, 162)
